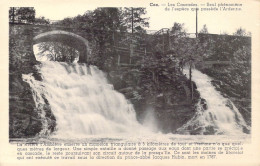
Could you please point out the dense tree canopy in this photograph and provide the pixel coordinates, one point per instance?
(42, 20)
(56, 51)
(22, 14)
(108, 28)
(134, 19)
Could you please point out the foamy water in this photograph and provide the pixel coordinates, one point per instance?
(82, 101)
(221, 115)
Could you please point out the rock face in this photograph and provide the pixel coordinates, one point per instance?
(167, 100)
(24, 117)
(239, 95)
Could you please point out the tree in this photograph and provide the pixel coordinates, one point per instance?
(67, 22)
(188, 50)
(135, 22)
(241, 32)
(56, 51)
(12, 11)
(107, 29)
(22, 14)
(178, 30)
(105, 23)
(179, 41)
(204, 29)
(161, 66)
(102, 24)
(41, 20)
(80, 21)
(133, 19)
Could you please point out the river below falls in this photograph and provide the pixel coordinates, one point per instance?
(156, 137)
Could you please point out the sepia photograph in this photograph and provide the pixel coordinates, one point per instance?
(165, 80)
(104, 72)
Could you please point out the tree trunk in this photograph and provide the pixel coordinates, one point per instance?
(132, 12)
(118, 60)
(191, 84)
(13, 14)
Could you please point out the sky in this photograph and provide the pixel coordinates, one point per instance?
(217, 22)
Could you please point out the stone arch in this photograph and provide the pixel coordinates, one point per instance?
(67, 38)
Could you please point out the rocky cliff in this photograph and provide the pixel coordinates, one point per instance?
(24, 117)
(166, 100)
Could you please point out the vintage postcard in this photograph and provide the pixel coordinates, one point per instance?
(130, 82)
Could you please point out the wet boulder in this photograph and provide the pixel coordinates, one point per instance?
(204, 104)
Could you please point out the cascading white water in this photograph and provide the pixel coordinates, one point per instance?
(82, 101)
(220, 117)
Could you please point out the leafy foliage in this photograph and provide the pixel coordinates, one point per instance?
(241, 32)
(236, 50)
(41, 20)
(178, 30)
(58, 52)
(22, 14)
(134, 17)
(204, 29)
(107, 29)
(240, 70)
(190, 50)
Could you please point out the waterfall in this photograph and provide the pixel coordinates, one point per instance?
(82, 101)
(220, 116)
